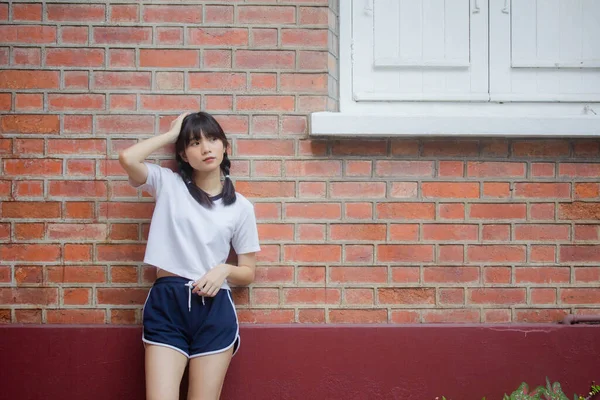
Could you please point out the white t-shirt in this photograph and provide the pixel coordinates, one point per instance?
(188, 239)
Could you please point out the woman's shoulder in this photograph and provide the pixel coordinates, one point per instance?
(166, 170)
(242, 201)
(244, 210)
(243, 205)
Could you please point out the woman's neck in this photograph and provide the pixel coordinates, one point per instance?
(210, 182)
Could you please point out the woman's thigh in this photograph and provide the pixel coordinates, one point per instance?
(164, 369)
(207, 374)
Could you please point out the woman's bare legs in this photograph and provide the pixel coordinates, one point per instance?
(164, 369)
(207, 374)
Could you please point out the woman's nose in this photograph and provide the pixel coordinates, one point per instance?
(204, 147)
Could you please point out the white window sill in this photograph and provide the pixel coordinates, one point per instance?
(369, 125)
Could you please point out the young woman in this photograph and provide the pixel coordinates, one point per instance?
(189, 315)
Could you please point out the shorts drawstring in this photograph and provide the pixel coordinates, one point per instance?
(190, 286)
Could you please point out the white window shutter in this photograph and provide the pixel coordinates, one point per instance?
(420, 50)
(545, 50)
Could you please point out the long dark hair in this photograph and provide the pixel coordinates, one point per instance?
(192, 128)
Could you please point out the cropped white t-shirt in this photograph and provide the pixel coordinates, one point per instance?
(188, 239)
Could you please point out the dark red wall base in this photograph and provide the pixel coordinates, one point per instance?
(275, 362)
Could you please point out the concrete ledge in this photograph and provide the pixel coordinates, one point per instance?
(312, 362)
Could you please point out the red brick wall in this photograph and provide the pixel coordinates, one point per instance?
(386, 230)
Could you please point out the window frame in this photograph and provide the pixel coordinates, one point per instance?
(449, 118)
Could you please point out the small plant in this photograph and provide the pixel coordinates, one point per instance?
(523, 393)
(550, 392)
(594, 390)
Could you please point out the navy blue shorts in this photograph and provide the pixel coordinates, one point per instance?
(193, 325)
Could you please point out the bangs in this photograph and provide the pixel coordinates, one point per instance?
(196, 135)
(200, 124)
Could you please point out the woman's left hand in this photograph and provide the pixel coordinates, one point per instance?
(211, 282)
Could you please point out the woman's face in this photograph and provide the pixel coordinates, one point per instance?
(204, 154)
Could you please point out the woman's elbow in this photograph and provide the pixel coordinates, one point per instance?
(248, 280)
(124, 159)
(250, 276)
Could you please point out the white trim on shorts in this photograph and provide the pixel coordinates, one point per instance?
(165, 345)
(237, 334)
(144, 306)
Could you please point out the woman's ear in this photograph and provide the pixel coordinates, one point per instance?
(183, 156)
